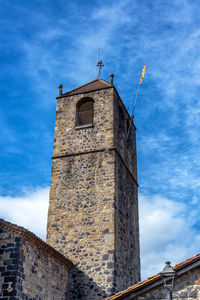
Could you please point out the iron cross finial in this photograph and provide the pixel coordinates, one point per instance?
(100, 64)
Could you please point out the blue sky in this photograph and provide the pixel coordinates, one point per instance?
(45, 43)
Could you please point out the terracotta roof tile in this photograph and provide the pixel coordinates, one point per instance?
(97, 84)
(135, 287)
(36, 241)
(186, 262)
(152, 279)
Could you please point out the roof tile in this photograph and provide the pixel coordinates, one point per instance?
(150, 280)
(97, 84)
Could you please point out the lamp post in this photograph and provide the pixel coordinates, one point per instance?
(168, 275)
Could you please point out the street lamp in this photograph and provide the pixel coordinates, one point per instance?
(168, 275)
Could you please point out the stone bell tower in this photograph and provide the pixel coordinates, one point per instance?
(93, 208)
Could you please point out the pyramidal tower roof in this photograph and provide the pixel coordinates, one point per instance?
(94, 85)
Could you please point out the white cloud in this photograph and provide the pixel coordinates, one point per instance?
(166, 227)
(168, 42)
(29, 211)
(166, 232)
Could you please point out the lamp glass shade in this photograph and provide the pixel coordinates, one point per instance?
(168, 275)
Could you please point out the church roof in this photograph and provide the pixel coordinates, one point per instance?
(36, 241)
(140, 287)
(97, 84)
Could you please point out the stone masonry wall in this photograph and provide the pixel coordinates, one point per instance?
(28, 273)
(9, 270)
(81, 209)
(81, 218)
(126, 200)
(187, 287)
(69, 140)
(126, 227)
(83, 222)
(125, 147)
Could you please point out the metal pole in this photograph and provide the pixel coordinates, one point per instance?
(135, 99)
(170, 295)
(129, 128)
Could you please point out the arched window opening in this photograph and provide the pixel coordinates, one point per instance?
(84, 112)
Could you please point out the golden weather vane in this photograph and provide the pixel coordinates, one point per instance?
(99, 64)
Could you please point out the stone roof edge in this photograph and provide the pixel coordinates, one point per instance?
(83, 85)
(36, 241)
(78, 93)
(156, 280)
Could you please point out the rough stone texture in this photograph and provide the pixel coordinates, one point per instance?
(69, 140)
(187, 287)
(28, 273)
(126, 148)
(93, 197)
(126, 232)
(127, 265)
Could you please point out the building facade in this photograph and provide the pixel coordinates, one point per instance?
(186, 284)
(93, 209)
(30, 269)
(93, 233)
